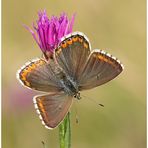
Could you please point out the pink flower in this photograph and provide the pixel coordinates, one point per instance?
(48, 32)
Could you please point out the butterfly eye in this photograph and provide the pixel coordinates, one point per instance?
(75, 38)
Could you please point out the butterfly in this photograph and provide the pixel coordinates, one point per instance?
(72, 68)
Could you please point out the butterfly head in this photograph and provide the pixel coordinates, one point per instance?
(77, 96)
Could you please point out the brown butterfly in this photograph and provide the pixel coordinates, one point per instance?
(72, 68)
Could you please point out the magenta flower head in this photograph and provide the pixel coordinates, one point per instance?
(48, 32)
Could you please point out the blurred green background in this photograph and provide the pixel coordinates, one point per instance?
(118, 27)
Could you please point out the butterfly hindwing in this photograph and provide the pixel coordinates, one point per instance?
(38, 75)
(52, 108)
(99, 69)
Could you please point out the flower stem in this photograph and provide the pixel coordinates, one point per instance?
(65, 132)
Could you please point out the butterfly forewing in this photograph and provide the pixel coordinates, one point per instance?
(72, 55)
(52, 108)
(100, 69)
(38, 75)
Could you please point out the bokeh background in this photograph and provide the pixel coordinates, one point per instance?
(119, 27)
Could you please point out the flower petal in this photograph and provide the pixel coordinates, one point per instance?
(50, 31)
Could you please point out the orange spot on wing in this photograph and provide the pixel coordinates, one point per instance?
(100, 57)
(29, 68)
(80, 39)
(69, 41)
(63, 44)
(23, 74)
(105, 59)
(23, 78)
(112, 63)
(75, 38)
(85, 45)
(42, 109)
(27, 83)
(33, 66)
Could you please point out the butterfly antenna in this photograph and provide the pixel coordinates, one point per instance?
(76, 111)
(94, 101)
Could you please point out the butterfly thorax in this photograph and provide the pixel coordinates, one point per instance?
(70, 86)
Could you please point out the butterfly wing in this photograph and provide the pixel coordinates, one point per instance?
(38, 75)
(72, 54)
(89, 70)
(100, 68)
(52, 108)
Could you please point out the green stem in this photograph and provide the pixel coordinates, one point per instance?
(65, 133)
